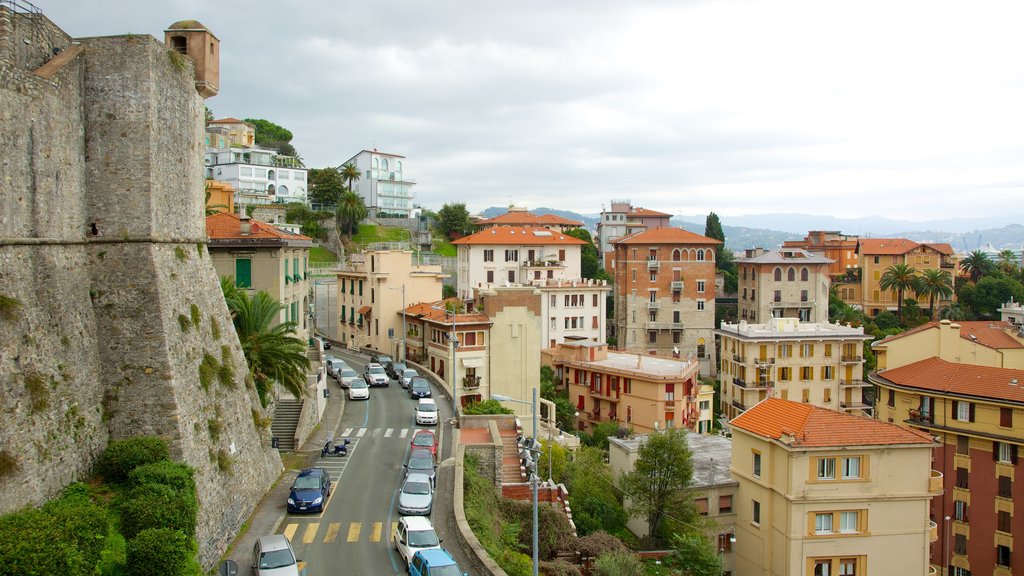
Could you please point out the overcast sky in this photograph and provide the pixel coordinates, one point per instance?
(910, 109)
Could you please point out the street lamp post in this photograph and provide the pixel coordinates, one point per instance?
(401, 357)
(948, 532)
(721, 547)
(533, 477)
(454, 344)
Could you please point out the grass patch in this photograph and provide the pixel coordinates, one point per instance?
(184, 322)
(38, 392)
(260, 421)
(197, 316)
(226, 372)
(445, 248)
(214, 328)
(208, 370)
(180, 253)
(321, 254)
(224, 463)
(216, 427)
(370, 233)
(9, 307)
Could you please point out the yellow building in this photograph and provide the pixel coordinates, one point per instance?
(373, 290)
(876, 255)
(228, 132)
(816, 363)
(983, 343)
(220, 197)
(261, 257)
(826, 493)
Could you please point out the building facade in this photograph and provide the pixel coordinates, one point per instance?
(840, 248)
(979, 342)
(820, 364)
(372, 292)
(262, 257)
(825, 493)
(518, 216)
(384, 183)
(1012, 313)
(621, 220)
(876, 255)
(665, 294)
(230, 132)
(258, 175)
(784, 283)
(640, 392)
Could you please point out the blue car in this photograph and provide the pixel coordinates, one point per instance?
(419, 388)
(310, 491)
(434, 562)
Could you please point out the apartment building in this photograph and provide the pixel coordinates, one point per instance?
(1013, 313)
(621, 220)
(783, 283)
(876, 255)
(258, 175)
(817, 363)
(975, 412)
(384, 183)
(520, 217)
(979, 342)
(261, 257)
(665, 294)
(840, 248)
(373, 289)
(230, 132)
(824, 493)
(641, 392)
(713, 486)
(220, 197)
(508, 256)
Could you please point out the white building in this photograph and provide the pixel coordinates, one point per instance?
(571, 307)
(258, 175)
(383, 184)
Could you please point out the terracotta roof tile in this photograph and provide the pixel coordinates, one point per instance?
(813, 427)
(224, 226)
(527, 219)
(666, 235)
(988, 333)
(939, 375)
(426, 311)
(518, 236)
(940, 247)
(644, 212)
(229, 121)
(885, 245)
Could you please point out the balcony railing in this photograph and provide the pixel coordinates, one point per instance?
(738, 405)
(947, 265)
(737, 358)
(543, 264)
(853, 384)
(764, 361)
(653, 265)
(845, 358)
(917, 417)
(757, 385)
(676, 285)
(935, 482)
(933, 531)
(653, 305)
(471, 382)
(664, 326)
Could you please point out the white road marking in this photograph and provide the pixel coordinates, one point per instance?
(347, 432)
(389, 432)
(403, 433)
(361, 432)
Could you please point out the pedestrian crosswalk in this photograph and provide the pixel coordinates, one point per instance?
(380, 432)
(332, 532)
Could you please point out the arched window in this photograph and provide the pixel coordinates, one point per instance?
(398, 165)
(710, 255)
(383, 163)
(778, 274)
(376, 162)
(676, 256)
(803, 274)
(700, 347)
(791, 274)
(700, 255)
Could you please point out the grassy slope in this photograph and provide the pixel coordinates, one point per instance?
(320, 254)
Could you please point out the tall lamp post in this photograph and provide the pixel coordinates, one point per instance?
(533, 477)
(401, 357)
(948, 534)
(455, 344)
(731, 532)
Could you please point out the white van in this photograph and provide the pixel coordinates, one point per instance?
(334, 367)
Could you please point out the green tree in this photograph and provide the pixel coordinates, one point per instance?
(725, 260)
(990, 292)
(899, 277)
(349, 173)
(618, 563)
(453, 221)
(694, 555)
(325, 186)
(268, 133)
(595, 504)
(590, 260)
(935, 284)
(208, 114)
(977, 264)
(350, 212)
(558, 461)
(954, 312)
(271, 350)
(1007, 261)
(659, 484)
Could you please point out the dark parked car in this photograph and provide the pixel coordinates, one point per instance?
(310, 491)
(419, 388)
(421, 461)
(380, 358)
(395, 369)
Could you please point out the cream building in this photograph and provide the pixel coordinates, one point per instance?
(371, 292)
(816, 363)
(822, 493)
(783, 283)
(981, 343)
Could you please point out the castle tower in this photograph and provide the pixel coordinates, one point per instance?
(191, 38)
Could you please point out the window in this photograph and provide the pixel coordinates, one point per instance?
(785, 350)
(891, 400)
(757, 463)
(1003, 523)
(652, 336)
(511, 255)
(724, 504)
(700, 286)
(851, 467)
(287, 278)
(778, 274)
(828, 350)
(803, 274)
(700, 304)
(756, 513)
(806, 350)
(1002, 555)
(702, 506)
(777, 296)
(848, 522)
(823, 523)
(876, 259)
(827, 373)
(511, 275)
(243, 272)
(785, 374)
(1006, 417)
(791, 275)
(1005, 486)
(826, 469)
(488, 255)
(960, 543)
(654, 277)
(822, 568)
(963, 411)
(1004, 452)
(963, 445)
(490, 276)
(803, 295)
(960, 510)
(961, 478)
(806, 372)
(700, 255)
(847, 567)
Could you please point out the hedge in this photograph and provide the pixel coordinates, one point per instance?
(160, 552)
(173, 474)
(123, 456)
(158, 506)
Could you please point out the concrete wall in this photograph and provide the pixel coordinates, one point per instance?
(102, 241)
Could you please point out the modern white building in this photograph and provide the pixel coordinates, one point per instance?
(258, 175)
(383, 183)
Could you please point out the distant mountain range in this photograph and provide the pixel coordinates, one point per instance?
(770, 230)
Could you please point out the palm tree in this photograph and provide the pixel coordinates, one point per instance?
(271, 349)
(977, 264)
(1007, 261)
(899, 277)
(954, 312)
(935, 284)
(350, 172)
(350, 211)
(212, 209)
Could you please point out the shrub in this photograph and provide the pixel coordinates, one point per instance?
(157, 506)
(214, 328)
(598, 543)
(620, 563)
(555, 534)
(196, 315)
(515, 563)
(184, 322)
(172, 474)
(160, 552)
(559, 568)
(123, 456)
(209, 369)
(486, 407)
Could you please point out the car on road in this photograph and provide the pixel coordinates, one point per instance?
(309, 491)
(416, 498)
(274, 556)
(358, 390)
(380, 358)
(425, 439)
(426, 412)
(326, 343)
(421, 461)
(334, 366)
(413, 534)
(419, 388)
(434, 563)
(395, 369)
(347, 376)
(375, 376)
(407, 375)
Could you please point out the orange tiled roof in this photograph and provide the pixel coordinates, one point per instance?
(813, 427)
(228, 121)
(666, 235)
(885, 245)
(426, 311)
(939, 375)
(940, 247)
(988, 333)
(644, 212)
(224, 226)
(527, 219)
(517, 235)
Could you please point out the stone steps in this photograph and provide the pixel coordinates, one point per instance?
(511, 470)
(286, 420)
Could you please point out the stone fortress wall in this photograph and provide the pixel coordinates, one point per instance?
(103, 243)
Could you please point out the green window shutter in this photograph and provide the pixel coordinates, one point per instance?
(295, 267)
(295, 312)
(305, 267)
(343, 307)
(342, 285)
(286, 278)
(360, 287)
(243, 273)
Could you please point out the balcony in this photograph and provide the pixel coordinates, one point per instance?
(853, 384)
(595, 393)
(764, 361)
(670, 406)
(737, 358)
(653, 305)
(760, 385)
(851, 359)
(792, 303)
(738, 405)
(947, 265)
(543, 264)
(471, 382)
(855, 405)
(653, 265)
(676, 285)
(933, 531)
(933, 570)
(935, 482)
(919, 418)
(659, 325)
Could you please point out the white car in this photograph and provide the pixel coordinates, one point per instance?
(274, 556)
(347, 376)
(407, 376)
(426, 412)
(414, 533)
(358, 390)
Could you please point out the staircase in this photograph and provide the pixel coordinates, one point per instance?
(511, 470)
(286, 419)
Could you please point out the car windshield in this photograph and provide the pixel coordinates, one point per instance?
(421, 463)
(306, 483)
(450, 570)
(420, 384)
(376, 370)
(398, 366)
(427, 408)
(416, 488)
(358, 384)
(422, 440)
(276, 559)
(409, 373)
(349, 373)
(423, 539)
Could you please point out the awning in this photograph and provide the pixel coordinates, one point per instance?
(365, 310)
(473, 362)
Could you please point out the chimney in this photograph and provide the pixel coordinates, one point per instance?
(244, 226)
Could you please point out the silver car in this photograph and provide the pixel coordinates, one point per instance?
(407, 376)
(274, 556)
(417, 496)
(348, 376)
